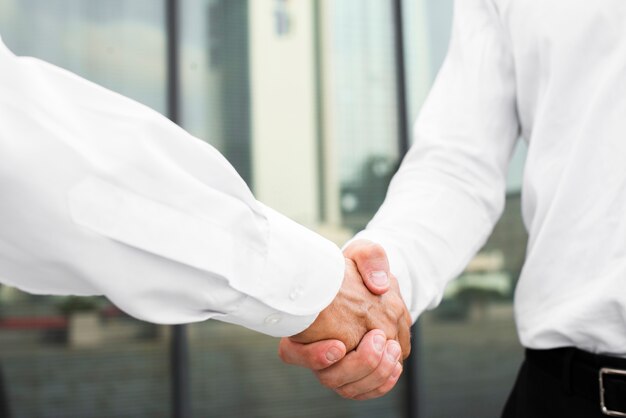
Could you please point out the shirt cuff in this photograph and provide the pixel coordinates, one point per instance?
(301, 276)
(259, 317)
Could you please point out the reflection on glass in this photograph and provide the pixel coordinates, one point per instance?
(215, 81)
(364, 125)
(82, 357)
(233, 369)
(119, 44)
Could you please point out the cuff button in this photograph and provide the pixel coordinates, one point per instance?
(296, 292)
(273, 319)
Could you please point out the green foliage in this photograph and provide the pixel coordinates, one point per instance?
(73, 304)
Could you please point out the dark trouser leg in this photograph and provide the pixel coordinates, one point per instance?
(539, 395)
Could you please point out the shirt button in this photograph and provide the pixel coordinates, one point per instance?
(273, 319)
(296, 292)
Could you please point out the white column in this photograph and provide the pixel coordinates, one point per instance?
(284, 131)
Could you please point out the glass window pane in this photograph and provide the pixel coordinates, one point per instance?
(82, 357)
(361, 132)
(364, 124)
(119, 44)
(249, 77)
(215, 70)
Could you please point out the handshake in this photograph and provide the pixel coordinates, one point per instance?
(357, 344)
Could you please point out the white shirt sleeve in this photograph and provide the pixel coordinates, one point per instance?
(102, 195)
(450, 189)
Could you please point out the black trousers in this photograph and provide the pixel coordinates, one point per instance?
(543, 391)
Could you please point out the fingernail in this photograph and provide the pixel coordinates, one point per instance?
(379, 343)
(379, 278)
(393, 351)
(333, 354)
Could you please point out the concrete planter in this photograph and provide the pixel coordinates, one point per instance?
(84, 330)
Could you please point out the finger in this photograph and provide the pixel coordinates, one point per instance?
(314, 356)
(357, 364)
(371, 260)
(378, 377)
(404, 335)
(386, 387)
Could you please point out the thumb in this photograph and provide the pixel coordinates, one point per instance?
(371, 260)
(314, 356)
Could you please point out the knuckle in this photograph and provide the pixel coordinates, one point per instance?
(371, 361)
(390, 329)
(406, 351)
(381, 375)
(282, 353)
(359, 244)
(383, 389)
(327, 380)
(397, 306)
(407, 320)
(346, 392)
(371, 251)
(378, 392)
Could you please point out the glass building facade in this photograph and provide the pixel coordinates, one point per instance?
(301, 97)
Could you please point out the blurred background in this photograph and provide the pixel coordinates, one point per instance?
(306, 98)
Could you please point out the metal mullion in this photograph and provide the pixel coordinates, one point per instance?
(411, 398)
(179, 350)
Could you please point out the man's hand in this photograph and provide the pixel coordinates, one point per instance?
(371, 260)
(375, 366)
(368, 372)
(355, 311)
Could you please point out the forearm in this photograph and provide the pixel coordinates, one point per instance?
(106, 196)
(430, 229)
(450, 189)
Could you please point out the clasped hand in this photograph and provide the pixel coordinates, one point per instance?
(367, 319)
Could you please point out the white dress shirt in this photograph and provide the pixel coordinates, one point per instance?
(553, 71)
(102, 195)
